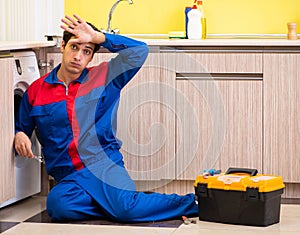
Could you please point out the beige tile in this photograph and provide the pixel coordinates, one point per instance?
(196, 230)
(289, 225)
(67, 229)
(23, 210)
(290, 218)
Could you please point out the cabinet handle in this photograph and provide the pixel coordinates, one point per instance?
(211, 49)
(219, 76)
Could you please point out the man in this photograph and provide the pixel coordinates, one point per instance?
(74, 110)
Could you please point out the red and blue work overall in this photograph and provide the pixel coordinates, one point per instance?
(77, 129)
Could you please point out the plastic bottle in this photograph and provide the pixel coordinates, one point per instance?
(194, 26)
(203, 19)
(187, 10)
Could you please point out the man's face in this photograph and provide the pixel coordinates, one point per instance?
(76, 56)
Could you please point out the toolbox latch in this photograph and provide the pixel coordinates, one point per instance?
(252, 194)
(202, 190)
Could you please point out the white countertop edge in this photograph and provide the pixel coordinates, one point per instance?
(18, 45)
(221, 42)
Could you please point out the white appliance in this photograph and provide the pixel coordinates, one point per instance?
(27, 171)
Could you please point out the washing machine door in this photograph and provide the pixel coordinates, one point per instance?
(22, 162)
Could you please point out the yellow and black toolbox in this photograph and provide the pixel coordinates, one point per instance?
(239, 196)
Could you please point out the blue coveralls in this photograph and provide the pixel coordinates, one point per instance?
(77, 129)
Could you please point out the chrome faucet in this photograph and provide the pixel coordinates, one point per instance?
(109, 30)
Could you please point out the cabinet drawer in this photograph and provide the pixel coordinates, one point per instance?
(218, 62)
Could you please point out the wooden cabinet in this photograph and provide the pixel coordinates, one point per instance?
(7, 174)
(195, 108)
(219, 109)
(282, 115)
(221, 126)
(146, 122)
(221, 61)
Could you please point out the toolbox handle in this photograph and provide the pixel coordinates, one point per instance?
(233, 170)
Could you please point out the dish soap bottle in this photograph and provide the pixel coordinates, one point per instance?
(194, 26)
(196, 21)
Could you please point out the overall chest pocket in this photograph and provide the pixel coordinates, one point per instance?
(43, 121)
(51, 121)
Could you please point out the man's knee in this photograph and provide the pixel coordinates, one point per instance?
(56, 208)
(125, 211)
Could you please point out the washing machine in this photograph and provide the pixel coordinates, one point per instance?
(27, 170)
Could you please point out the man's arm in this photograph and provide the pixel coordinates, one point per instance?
(24, 126)
(131, 56)
(131, 53)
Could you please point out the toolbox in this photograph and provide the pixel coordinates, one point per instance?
(239, 196)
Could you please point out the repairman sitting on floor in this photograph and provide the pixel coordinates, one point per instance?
(74, 109)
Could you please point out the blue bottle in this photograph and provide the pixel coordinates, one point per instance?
(187, 9)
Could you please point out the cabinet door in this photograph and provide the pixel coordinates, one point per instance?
(7, 173)
(146, 122)
(220, 126)
(219, 107)
(281, 115)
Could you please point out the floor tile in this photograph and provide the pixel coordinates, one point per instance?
(68, 229)
(29, 217)
(43, 217)
(7, 225)
(23, 210)
(288, 225)
(197, 230)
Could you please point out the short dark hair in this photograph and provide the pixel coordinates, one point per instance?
(67, 36)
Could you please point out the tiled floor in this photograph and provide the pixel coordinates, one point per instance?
(28, 218)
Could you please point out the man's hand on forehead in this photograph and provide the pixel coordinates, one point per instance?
(82, 31)
(71, 22)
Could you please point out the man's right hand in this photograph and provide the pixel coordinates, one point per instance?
(83, 32)
(23, 145)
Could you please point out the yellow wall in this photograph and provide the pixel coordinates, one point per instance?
(162, 16)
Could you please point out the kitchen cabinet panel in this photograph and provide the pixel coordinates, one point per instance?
(282, 115)
(188, 110)
(7, 173)
(219, 61)
(220, 126)
(146, 122)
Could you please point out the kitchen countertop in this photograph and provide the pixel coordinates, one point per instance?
(18, 45)
(211, 42)
(221, 42)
